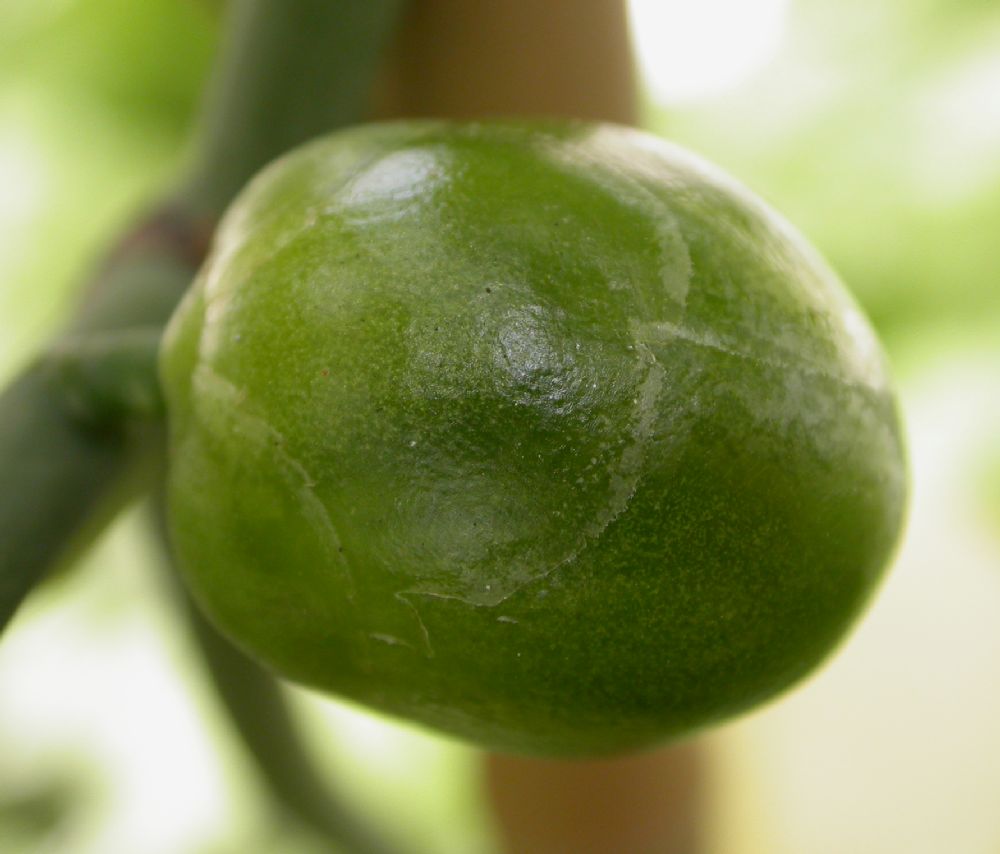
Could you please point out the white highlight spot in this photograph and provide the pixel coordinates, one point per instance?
(688, 51)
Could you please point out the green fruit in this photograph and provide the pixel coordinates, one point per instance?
(550, 436)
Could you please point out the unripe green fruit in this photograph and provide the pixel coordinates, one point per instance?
(550, 436)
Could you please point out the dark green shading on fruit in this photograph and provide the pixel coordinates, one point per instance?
(550, 436)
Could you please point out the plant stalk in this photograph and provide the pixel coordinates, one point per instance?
(289, 69)
(259, 711)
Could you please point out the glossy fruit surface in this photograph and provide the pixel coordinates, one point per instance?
(546, 435)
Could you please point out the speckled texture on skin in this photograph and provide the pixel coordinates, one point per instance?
(550, 436)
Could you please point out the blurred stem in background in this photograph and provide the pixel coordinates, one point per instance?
(78, 438)
(260, 713)
(287, 72)
(463, 58)
(653, 803)
(475, 58)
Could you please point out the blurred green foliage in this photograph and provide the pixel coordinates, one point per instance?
(145, 60)
(95, 100)
(988, 481)
(27, 818)
(876, 130)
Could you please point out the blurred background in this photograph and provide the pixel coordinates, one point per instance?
(873, 125)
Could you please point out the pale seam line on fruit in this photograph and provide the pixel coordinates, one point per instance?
(625, 483)
(664, 332)
(389, 640)
(628, 472)
(231, 245)
(212, 294)
(428, 649)
(675, 258)
(594, 150)
(665, 232)
(676, 271)
(260, 431)
(315, 510)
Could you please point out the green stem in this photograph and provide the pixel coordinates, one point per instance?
(69, 433)
(289, 69)
(110, 377)
(54, 476)
(259, 711)
(292, 69)
(65, 474)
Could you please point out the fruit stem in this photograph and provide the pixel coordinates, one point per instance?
(71, 447)
(288, 69)
(259, 711)
(54, 474)
(65, 471)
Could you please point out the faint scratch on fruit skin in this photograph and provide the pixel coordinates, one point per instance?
(598, 152)
(425, 636)
(389, 640)
(664, 332)
(235, 234)
(625, 480)
(222, 259)
(269, 441)
(624, 484)
(670, 238)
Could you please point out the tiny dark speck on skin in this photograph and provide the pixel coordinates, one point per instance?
(489, 290)
(325, 372)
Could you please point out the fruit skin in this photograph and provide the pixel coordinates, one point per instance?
(546, 435)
